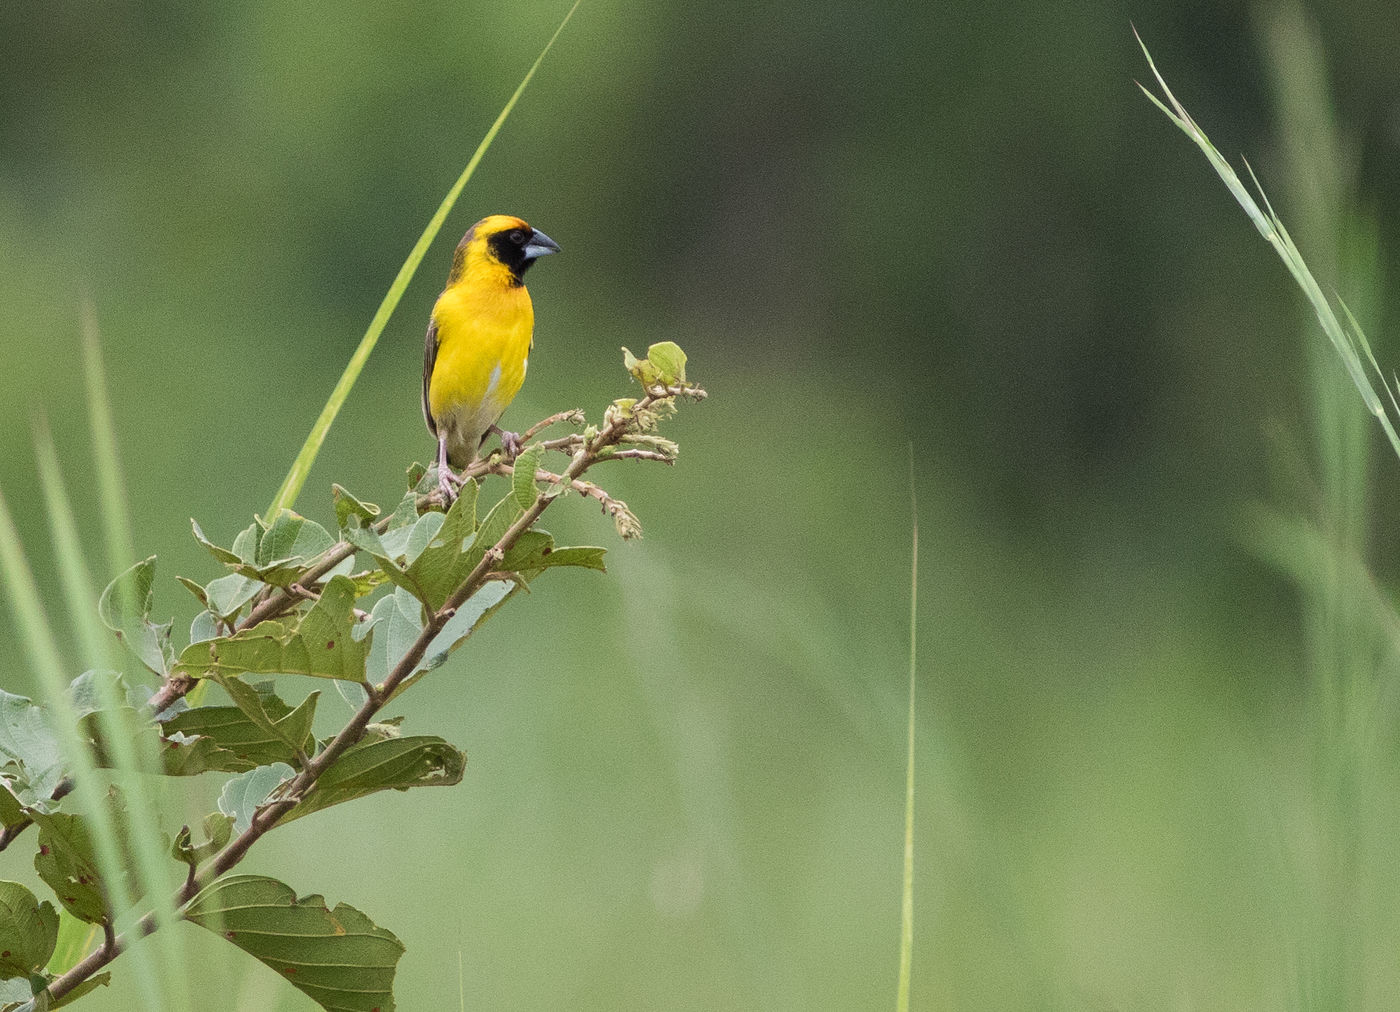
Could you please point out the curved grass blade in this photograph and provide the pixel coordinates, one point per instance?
(296, 477)
(1350, 343)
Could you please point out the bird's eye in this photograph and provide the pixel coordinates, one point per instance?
(517, 237)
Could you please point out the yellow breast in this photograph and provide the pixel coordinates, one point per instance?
(483, 336)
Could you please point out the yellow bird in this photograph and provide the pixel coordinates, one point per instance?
(479, 340)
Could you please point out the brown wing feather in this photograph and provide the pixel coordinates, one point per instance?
(430, 349)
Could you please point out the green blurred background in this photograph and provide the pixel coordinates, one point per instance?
(957, 225)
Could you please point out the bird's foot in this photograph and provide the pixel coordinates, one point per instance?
(511, 443)
(449, 484)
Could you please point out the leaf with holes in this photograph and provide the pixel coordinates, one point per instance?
(347, 506)
(250, 740)
(293, 730)
(397, 763)
(339, 958)
(28, 931)
(68, 865)
(320, 644)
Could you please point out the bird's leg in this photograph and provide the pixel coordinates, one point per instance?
(448, 481)
(510, 442)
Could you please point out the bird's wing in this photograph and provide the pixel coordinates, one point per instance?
(430, 350)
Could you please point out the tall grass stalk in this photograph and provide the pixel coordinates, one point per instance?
(111, 492)
(1347, 339)
(906, 919)
(301, 467)
(1342, 629)
(1345, 619)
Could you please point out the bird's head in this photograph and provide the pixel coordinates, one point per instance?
(501, 242)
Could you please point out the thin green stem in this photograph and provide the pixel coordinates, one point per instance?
(906, 920)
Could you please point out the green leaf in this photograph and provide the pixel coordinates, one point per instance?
(669, 361)
(227, 594)
(522, 482)
(251, 743)
(293, 730)
(92, 690)
(493, 528)
(30, 744)
(68, 865)
(245, 545)
(194, 589)
(291, 543)
(243, 794)
(347, 506)
(105, 726)
(641, 369)
(125, 608)
(184, 756)
(14, 993)
(218, 830)
(321, 643)
(221, 554)
(204, 627)
(467, 620)
(278, 553)
(339, 958)
(397, 763)
(17, 994)
(396, 622)
(405, 513)
(28, 931)
(407, 543)
(11, 812)
(586, 557)
(427, 559)
(535, 551)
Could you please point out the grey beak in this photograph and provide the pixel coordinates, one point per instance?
(539, 245)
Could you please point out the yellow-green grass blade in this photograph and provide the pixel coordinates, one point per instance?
(118, 722)
(111, 493)
(1350, 344)
(46, 659)
(906, 920)
(301, 467)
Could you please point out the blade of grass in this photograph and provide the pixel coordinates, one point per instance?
(46, 658)
(130, 761)
(296, 477)
(111, 490)
(111, 493)
(1350, 344)
(906, 919)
